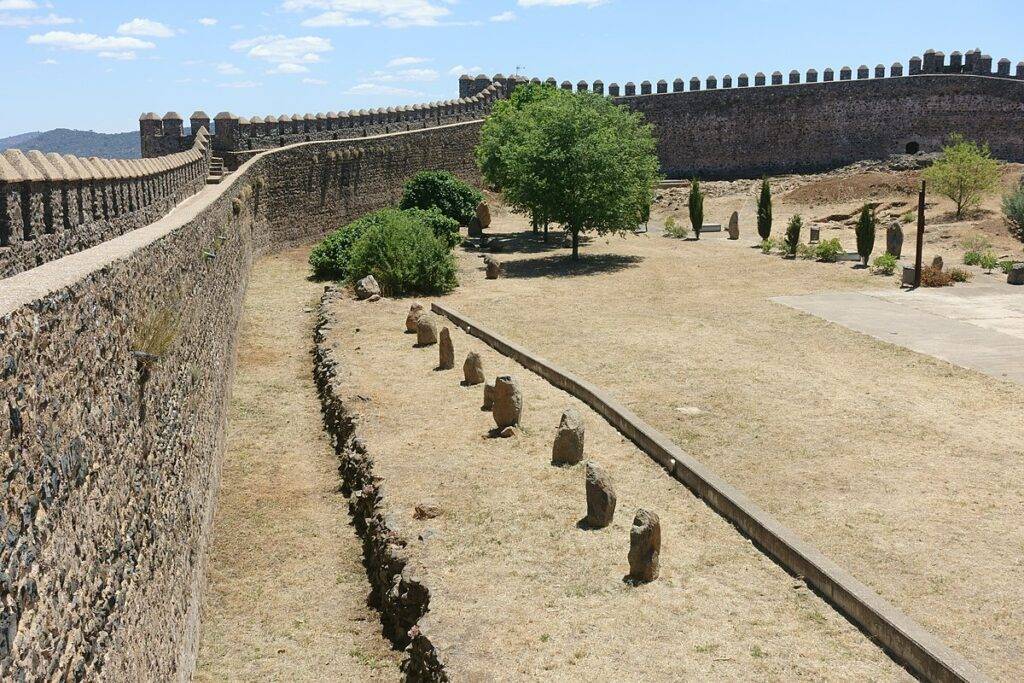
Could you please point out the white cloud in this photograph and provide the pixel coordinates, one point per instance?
(227, 69)
(145, 27)
(314, 81)
(288, 68)
(378, 89)
(406, 61)
(48, 61)
(560, 3)
(389, 13)
(459, 70)
(240, 85)
(110, 47)
(122, 55)
(18, 5)
(23, 21)
(279, 49)
(504, 16)
(208, 21)
(403, 75)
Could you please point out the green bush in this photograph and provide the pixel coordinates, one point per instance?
(829, 250)
(958, 274)
(988, 261)
(884, 264)
(806, 252)
(674, 229)
(441, 190)
(445, 229)
(793, 234)
(1013, 212)
(974, 246)
(330, 258)
(972, 258)
(1006, 266)
(767, 245)
(402, 253)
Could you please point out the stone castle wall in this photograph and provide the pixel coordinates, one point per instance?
(52, 205)
(111, 469)
(800, 123)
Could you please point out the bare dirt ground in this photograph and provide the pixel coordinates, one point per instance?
(287, 589)
(904, 469)
(517, 590)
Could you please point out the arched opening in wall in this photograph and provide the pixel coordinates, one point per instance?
(913, 147)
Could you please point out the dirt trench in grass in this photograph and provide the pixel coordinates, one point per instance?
(286, 594)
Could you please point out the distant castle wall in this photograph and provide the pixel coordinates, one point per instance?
(112, 459)
(798, 123)
(52, 205)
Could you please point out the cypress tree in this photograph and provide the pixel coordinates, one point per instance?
(764, 211)
(866, 233)
(793, 233)
(696, 207)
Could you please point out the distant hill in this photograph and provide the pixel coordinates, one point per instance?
(81, 143)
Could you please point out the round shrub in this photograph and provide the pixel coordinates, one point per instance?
(445, 229)
(442, 190)
(330, 258)
(403, 254)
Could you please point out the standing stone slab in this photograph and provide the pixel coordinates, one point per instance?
(508, 402)
(815, 235)
(894, 239)
(446, 352)
(568, 447)
(1016, 274)
(493, 268)
(937, 263)
(473, 369)
(483, 215)
(600, 497)
(644, 547)
(488, 397)
(415, 311)
(734, 225)
(367, 287)
(426, 330)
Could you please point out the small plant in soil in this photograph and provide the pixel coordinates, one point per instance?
(884, 264)
(674, 229)
(767, 245)
(988, 261)
(806, 251)
(959, 275)
(1006, 267)
(793, 234)
(829, 250)
(866, 233)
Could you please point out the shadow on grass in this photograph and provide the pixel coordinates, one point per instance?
(527, 242)
(562, 265)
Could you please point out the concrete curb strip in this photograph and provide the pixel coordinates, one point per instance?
(902, 638)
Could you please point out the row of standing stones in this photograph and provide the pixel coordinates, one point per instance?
(504, 399)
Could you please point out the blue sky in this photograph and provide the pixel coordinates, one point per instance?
(98, 65)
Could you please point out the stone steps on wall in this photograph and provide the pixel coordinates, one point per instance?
(217, 171)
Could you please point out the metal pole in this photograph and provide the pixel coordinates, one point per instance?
(920, 236)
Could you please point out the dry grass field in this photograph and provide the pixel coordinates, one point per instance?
(904, 469)
(517, 590)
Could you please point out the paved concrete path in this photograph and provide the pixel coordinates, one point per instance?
(975, 326)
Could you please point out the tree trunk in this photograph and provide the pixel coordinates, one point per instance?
(575, 244)
(545, 231)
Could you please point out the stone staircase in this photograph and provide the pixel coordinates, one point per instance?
(217, 171)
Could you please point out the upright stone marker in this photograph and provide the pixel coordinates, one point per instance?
(600, 497)
(473, 369)
(488, 397)
(937, 263)
(568, 447)
(734, 225)
(367, 287)
(1016, 274)
(508, 402)
(644, 547)
(493, 268)
(815, 235)
(894, 239)
(426, 330)
(446, 352)
(415, 311)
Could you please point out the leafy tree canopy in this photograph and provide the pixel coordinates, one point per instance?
(965, 173)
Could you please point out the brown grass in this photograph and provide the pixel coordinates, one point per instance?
(287, 589)
(904, 469)
(518, 591)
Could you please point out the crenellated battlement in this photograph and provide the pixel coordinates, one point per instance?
(972, 62)
(53, 204)
(233, 133)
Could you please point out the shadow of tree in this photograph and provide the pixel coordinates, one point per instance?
(561, 265)
(528, 242)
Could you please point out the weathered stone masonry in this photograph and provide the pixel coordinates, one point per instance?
(109, 478)
(52, 205)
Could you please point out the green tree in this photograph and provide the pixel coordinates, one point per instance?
(965, 172)
(442, 191)
(696, 207)
(793, 234)
(1013, 212)
(575, 159)
(764, 211)
(866, 225)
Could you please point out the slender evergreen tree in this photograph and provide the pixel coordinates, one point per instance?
(764, 211)
(866, 233)
(696, 207)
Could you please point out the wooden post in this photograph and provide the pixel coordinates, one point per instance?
(920, 236)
